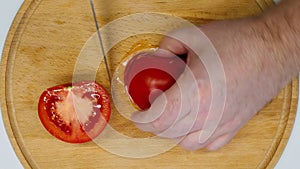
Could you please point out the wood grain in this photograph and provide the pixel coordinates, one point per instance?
(42, 48)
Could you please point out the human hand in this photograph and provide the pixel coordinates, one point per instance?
(199, 112)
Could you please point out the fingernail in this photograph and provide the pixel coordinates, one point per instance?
(164, 53)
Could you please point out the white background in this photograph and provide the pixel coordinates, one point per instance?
(8, 159)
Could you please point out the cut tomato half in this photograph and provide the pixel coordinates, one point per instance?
(75, 113)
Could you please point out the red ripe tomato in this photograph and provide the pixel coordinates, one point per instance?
(148, 75)
(75, 113)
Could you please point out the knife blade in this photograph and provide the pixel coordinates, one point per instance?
(100, 40)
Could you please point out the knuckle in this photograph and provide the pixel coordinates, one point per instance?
(189, 146)
(158, 124)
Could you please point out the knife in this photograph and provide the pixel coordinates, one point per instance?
(100, 41)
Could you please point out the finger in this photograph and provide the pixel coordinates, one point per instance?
(153, 119)
(163, 112)
(173, 45)
(193, 141)
(199, 99)
(153, 113)
(199, 102)
(190, 142)
(191, 121)
(173, 105)
(220, 141)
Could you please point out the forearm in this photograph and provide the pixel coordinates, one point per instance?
(280, 31)
(264, 49)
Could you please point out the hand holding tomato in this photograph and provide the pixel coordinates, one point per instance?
(182, 112)
(148, 74)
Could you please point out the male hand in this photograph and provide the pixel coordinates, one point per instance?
(200, 111)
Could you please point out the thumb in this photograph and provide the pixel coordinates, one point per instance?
(170, 107)
(162, 113)
(153, 113)
(173, 45)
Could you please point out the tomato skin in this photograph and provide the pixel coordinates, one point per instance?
(73, 130)
(147, 75)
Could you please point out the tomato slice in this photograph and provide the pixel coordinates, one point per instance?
(75, 113)
(147, 75)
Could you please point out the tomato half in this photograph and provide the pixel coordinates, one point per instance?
(75, 113)
(147, 75)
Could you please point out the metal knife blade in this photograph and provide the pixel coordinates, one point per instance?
(100, 40)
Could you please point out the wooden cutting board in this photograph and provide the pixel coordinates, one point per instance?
(41, 51)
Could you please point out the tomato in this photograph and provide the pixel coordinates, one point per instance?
(75, 113)
(147, 75)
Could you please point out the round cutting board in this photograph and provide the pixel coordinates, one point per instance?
(42, 50)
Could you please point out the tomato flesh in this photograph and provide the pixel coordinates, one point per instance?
(148, 75)
(75, 113)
